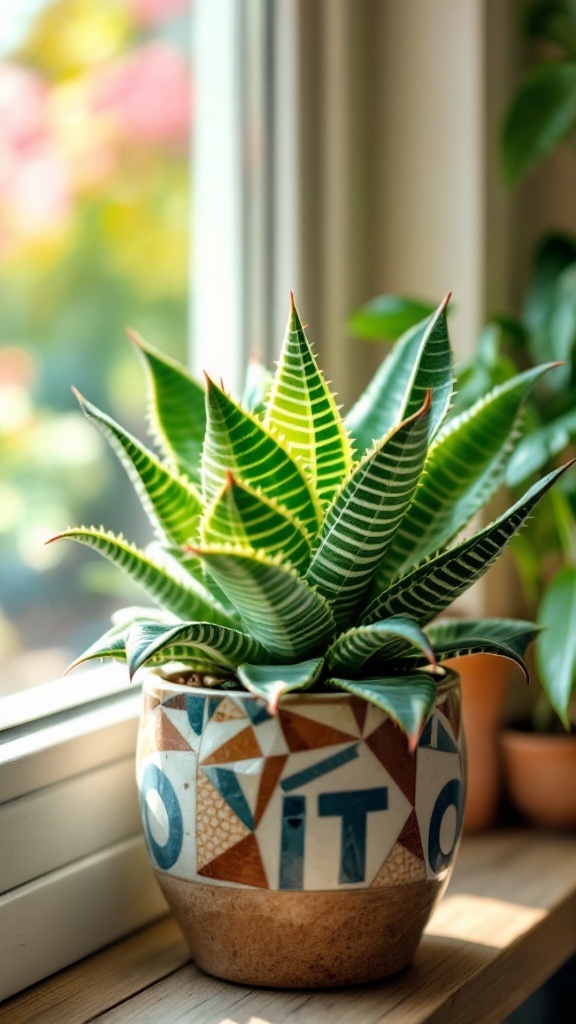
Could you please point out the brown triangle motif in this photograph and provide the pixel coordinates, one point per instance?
(241, 864)
(399, 868)
(271, 772)
(217, 827)
(410, 837)
(167, 736)
(177, 703)
(240, 748)
(227, 711)
(306, 734)
(360, 710)
(390, 746)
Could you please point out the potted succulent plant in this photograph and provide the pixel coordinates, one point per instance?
(300, 758)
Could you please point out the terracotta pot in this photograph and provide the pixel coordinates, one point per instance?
(301, 850)
(484, 679)
(540, 775)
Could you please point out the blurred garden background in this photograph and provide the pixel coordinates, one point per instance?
(96, 108)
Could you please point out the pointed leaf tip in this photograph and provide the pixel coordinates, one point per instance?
(444, 304)
(292, 303)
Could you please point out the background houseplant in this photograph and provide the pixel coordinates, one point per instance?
(298, 554)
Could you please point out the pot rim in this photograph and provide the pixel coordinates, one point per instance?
(154, 678)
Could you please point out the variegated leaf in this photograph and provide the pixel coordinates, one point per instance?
(365, 514)
(388, 639)
(302, 408)
(407, 699)
(222, 646)
(277, 607)
(177, 409)
(111, 644)
(173, 505)
(420, 361)
(432, 586)
(238, 443)
(182, 597)
(454, 638)
(246, 517)
(272, 682)
(464, 467)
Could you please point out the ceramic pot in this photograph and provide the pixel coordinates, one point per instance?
(301, 850)
(540, 775)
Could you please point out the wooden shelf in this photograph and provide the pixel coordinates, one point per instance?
(507, 922)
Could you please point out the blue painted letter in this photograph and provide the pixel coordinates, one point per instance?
(353, 807)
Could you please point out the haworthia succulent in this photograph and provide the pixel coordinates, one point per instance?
(388, 639)
(454, 638)
(238, 443)
(302, 408)
(272, 682)
(365, 514)
(226, 647)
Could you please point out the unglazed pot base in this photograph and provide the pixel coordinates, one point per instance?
(305, 848)
(301, 939)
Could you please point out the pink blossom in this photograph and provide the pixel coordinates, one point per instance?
(151, 12)
(148, 92)
(23, 107)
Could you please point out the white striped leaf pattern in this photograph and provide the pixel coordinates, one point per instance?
(243, 516)
(237, 442)
(173, 505)
(365, 514)
(271, 682)
(463, 469)
(277, 607)
(113, 645)
(222, 646)
(183, 597)
(432, 586)
(177, 409)
(302, 408)
(455, 638)
(407, 699)
(420, 360)
(388, 639)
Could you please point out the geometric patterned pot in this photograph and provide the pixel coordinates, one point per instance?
(303, 849)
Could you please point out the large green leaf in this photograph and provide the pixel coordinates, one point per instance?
(464, 467)
(247, 518)
(539, 447)
(387, 317)
(432, 586)
(365, 514)
(556, 645)
(302, 408)
(182, 596)
(454, 638)
(407, 699)
(421, 361)
(173, 505)
(271, 682)
(277, 607)
(553, 255)
(540, 116)
(236, 442)
(111, 644)
(389, 638)
(177, 409)
(223, 646)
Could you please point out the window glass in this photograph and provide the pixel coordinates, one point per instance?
(96, 104)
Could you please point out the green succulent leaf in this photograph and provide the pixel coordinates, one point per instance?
(388, 639)
(277, 607)
(173, 505)
(181, 596)
(111, 644)
(455, 638)
(407, 699)
(302, 409)
(220, 645)
(465, 466)
(419, 362)
(177, 409)
(387, 317)
(272, 682)
(247, 518)
(539, 447)
(365, 514)
(236, 442)
(555, 648)
(432, 586)
(540, 116)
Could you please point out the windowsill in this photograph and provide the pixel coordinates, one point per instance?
(505, 926)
